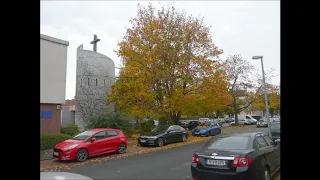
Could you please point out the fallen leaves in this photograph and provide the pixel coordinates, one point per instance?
(133, 149)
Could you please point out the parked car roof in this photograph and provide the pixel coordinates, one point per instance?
(103, 129)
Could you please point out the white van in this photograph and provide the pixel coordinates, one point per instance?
(248, 119)
(241, 121)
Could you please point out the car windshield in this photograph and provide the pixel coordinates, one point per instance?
(160, 129)
(275, 126)
(84, 135)
(230, 143)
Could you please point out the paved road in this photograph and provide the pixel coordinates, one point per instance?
(168, 164)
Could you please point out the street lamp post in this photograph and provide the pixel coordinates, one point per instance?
(265, 93)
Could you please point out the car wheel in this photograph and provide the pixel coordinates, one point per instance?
(160, 142)
(184, 138)
(82, 155)
(122, 149)
(267, 174)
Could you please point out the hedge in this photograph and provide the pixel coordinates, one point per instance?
(147, 126)
(48, 141)
(70, 129)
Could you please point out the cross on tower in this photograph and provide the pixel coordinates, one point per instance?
(94, 42)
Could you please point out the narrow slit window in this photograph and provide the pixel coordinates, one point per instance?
(88, 81)
(80, 82)
(96, 82)
(104, 82)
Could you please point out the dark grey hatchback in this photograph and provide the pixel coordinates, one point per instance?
(246, 156)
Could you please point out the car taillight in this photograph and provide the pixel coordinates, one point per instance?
(195, 159)
(241, 162)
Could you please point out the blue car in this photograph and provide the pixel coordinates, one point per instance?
(207, 130)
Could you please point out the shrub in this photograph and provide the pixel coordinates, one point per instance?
(70, 129)
(163, 121)
(147, 126)
(129, 132)
(48, 141)
(108, 119)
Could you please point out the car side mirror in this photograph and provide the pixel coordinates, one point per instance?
(169, 131)
(93, 139)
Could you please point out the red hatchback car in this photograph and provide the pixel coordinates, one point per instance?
(91, 143)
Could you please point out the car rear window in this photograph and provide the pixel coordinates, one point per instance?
(230, 143)
(275, 126)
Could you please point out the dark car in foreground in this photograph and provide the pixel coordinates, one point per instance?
(62, 176)
(245, 156)
(162, 135)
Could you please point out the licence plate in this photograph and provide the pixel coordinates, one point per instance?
(216, 162)
(56, 153)
(143, 141)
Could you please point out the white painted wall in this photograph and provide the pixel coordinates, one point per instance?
(53, 69)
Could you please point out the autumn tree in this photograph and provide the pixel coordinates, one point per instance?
(170, 66)
(245, 83)
(273, 101)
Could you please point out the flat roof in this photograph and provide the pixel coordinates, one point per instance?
(55, 40)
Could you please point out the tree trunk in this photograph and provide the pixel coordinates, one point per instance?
(176, 117)
(271, 112)
(236, 122)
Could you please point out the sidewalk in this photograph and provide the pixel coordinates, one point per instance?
(46, 154)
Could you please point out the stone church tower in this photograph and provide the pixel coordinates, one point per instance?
(94, 76)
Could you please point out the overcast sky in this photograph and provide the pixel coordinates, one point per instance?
(238, 27)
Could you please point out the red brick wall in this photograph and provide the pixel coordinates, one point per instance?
(70, 102)
(50, 125)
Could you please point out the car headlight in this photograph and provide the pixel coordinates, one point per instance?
(70, 147)
(152, 137)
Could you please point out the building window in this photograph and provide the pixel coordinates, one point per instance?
(80, 82)
(88, 81)
(96, 82)
(104, 81)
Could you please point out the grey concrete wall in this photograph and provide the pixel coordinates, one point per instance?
(68, 117)
(53, 69)
(95, 75)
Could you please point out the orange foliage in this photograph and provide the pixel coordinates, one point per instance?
(170, 66)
